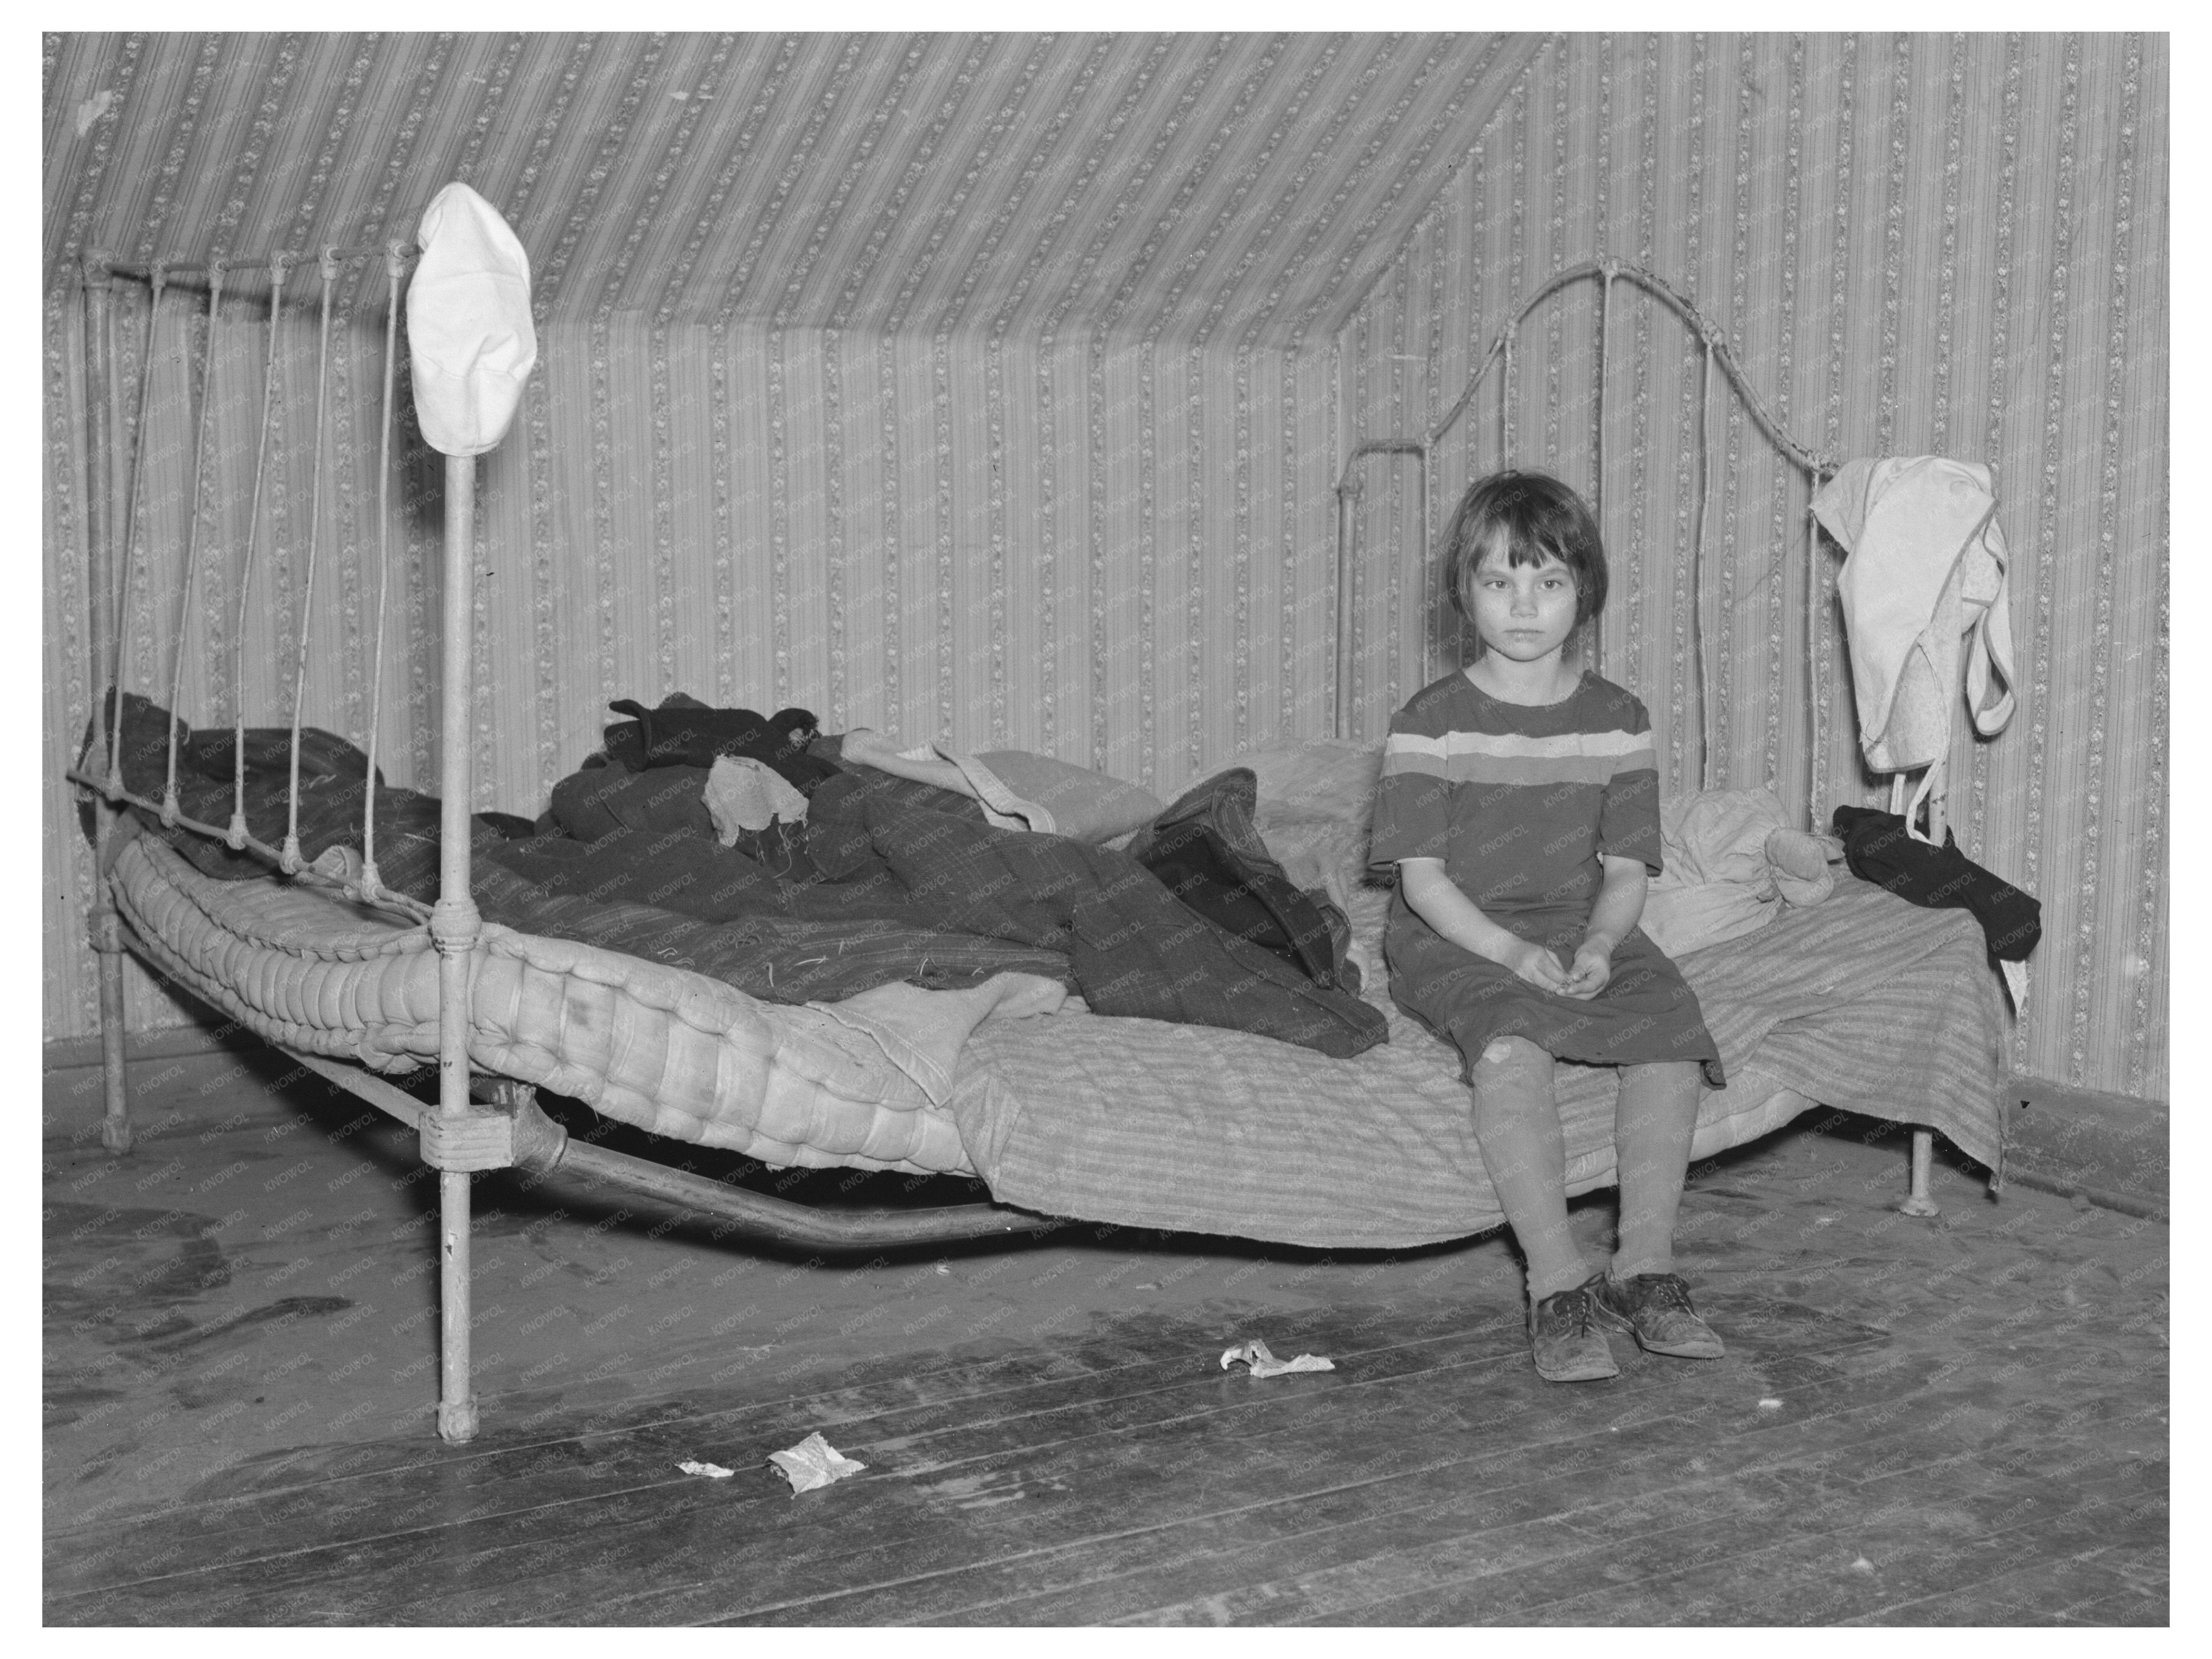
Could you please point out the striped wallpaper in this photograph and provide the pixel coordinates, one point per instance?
(996, 388)
(1914, 244)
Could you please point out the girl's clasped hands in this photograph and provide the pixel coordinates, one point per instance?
(1591, 970)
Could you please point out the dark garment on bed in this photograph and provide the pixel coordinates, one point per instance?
(938, 899)
(598, 800)
(511, 826)
(775, 957)
(332, 775)
(685, 731)
(1134, 949)
(768, 953)
(1207, 851)
(1878, 849)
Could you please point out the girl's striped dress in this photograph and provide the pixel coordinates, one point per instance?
(1518, 802)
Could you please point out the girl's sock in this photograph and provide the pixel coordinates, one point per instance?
(1654, 1117)
(1517, 1127)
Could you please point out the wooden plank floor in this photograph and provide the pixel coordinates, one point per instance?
(1962, 1422)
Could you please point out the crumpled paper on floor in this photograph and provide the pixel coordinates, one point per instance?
(1263, 1364)
(813, 1462)
(712, 1471)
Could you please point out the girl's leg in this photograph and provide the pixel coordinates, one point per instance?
(1654, 1117)
(1517, 1127)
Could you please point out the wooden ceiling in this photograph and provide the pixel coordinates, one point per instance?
(1231, 189)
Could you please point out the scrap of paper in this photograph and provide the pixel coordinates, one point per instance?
(1263, 1364)
(712, 1471)
(813, 1462)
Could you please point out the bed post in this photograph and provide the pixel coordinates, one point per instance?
(1915, 1201)
(101, 585)
(454, 924)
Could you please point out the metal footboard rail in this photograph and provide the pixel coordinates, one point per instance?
(540, 1148)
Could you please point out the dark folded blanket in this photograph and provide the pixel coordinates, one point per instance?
(1879, 850)
(623, 902)
(1136, 949)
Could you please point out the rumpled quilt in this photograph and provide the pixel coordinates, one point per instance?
(904, 884)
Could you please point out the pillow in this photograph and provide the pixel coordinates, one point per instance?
(1325, 781)
(1085, 805)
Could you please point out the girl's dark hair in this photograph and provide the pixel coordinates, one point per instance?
(1540, 517)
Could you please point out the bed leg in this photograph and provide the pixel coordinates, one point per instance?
(107, 941)
(1917, 1201)
(457, 1406)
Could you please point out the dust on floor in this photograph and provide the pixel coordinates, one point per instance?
(1968, 1419)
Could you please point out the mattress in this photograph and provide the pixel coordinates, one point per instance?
(1863, 1002)
(664, 1048)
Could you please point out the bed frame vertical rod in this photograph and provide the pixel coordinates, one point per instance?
(170, 810)
(1916, 1200)
(1597, 443)
(372, 883)
(130, 517)
(1428, 553)
(101, 587)
(290, 861)
(239, 830)
(1698, 569)
(1348, 560)
(1505, 395)
(1813, 777)
(455, 923)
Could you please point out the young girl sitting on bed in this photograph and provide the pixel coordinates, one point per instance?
(1520, 802)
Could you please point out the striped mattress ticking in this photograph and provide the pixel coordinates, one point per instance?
(1862, 1002)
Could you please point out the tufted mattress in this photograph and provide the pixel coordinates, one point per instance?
(1863, 1002)
(664, 1048)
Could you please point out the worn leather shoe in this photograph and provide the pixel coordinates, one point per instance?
(1654, 1308)
(1566, 1345)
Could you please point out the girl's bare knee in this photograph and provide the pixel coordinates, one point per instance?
(1501, 1052)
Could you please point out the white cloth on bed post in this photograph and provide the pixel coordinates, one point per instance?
(470, 340)
(471, 346)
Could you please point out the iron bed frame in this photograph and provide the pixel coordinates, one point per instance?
(485, 1121)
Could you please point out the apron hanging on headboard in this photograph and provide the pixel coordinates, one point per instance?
(1925, 567)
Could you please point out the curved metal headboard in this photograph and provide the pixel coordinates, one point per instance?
(1605, 271)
